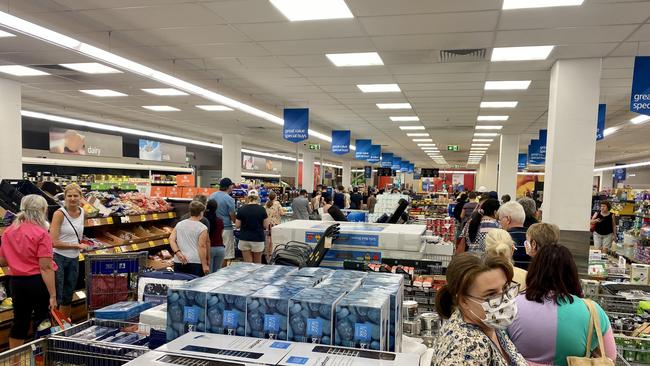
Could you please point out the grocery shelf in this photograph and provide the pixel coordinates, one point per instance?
(126, 248)
(103, 221)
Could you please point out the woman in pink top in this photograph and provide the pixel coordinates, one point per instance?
(27, 250)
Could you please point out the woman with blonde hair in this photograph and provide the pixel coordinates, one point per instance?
(498, 242)
(27, 250)
(66, 233)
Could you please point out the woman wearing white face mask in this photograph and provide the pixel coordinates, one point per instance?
(478, 304)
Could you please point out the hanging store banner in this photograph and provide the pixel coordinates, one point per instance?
(404, 166)
(386, 160)
(363, 149)
(640, 99)
(161, 151)
(522, 162)
(340, 142)
(375, 154)
(620, 174)
(542, 145)
(600, 129)
(367, 172)
(534, 155)
(397, 163)
(76, 142)
(296, 124)
(411, 168)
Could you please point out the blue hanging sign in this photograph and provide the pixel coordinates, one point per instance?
(640, 100)
(411, 168)
(542, 145)
(296, 124)
(340, 142)
(404, 166)
(522, 161)
(620, 174)
(397, 163)
(386, 160)
(375, 154)
(534, 155)
(367, 172)
(363, 149)
(600, 127)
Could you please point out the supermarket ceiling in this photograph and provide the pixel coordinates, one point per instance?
(248, 50)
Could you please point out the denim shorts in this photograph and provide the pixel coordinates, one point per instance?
(66, 278)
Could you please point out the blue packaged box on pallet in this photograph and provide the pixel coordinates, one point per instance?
(268, 311)
(226, 308)
(395, 322)
(312, 311)
(123, 310)
(362, 320)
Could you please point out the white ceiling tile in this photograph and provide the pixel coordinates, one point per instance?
(563, 36)
(431, 23)
(170, 15)
(319, 46)
(364, 8)
(301, 30)
(246, 11)
(185, 35)
(453, 67)
(434, 42)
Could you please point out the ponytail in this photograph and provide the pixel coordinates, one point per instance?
(474, 224)
(444, 302)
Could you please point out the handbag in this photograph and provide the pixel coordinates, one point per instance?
(587, 360)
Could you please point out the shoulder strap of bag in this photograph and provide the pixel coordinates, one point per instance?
(594, 324)
(71, 224)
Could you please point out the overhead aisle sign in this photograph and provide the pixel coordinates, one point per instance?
(296, 124)
(386, 160)
(640, 100)
(375, 154)
(397, 163)
(404, 166)
(534, 155)
(367, 172)
(340, 142)
(363, 149)
(411, 168)
(542, 145)
(600, 129)
(522, 161)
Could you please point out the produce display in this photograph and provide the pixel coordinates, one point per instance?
(130, 203)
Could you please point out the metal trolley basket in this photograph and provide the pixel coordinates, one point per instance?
(111, 278)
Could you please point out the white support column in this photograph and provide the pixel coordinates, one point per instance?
(11, 141)
(508, 161)
(347, 174)
(231, 159)
(490, 175)
(571, 145)
(480, 174)
(308, 171)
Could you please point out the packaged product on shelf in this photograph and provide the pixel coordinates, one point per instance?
(94, 332)
(268, 312)
(393, 285)
(312, 312)
(362, 320)
(123, 310)
(226, 308)
(187, 304)
(640, 274)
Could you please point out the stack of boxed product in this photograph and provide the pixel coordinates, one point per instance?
(386, 204)
(312, 305)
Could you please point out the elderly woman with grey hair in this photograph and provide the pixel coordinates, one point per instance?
(530, 208)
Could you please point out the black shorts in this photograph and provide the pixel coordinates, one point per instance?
(30, 296)
(190, 268)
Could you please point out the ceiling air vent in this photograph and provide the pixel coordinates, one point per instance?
(465, 55)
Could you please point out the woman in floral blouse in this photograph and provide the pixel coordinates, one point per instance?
(478, 304)
(275, 212)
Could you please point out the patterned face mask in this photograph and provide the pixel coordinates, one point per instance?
(500, 310)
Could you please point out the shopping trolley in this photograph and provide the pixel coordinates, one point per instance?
(111, 278)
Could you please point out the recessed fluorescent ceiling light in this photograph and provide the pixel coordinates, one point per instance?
(4, 34)
(485, 134)
(522, 4)
(488, 127)
(417, 134)
(521, 53)
(18, 70)
(34, 30)
(426, 144)
(492, 118)
(379, 88)
(640, 119)
(499, 104)
(214, 108)
(480, 145)
(422, 140)
(482, 140)
(297, 10)
(160, 108)
(507, 85)
(394, 105)
(355, 59)
(475, 149)
(610, 130)
(165, 92)
(407, 128)
(103, 93)
(91, 68)
(405, 119)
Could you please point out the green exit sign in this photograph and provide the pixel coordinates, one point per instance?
(314, 146)
(452, 148)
